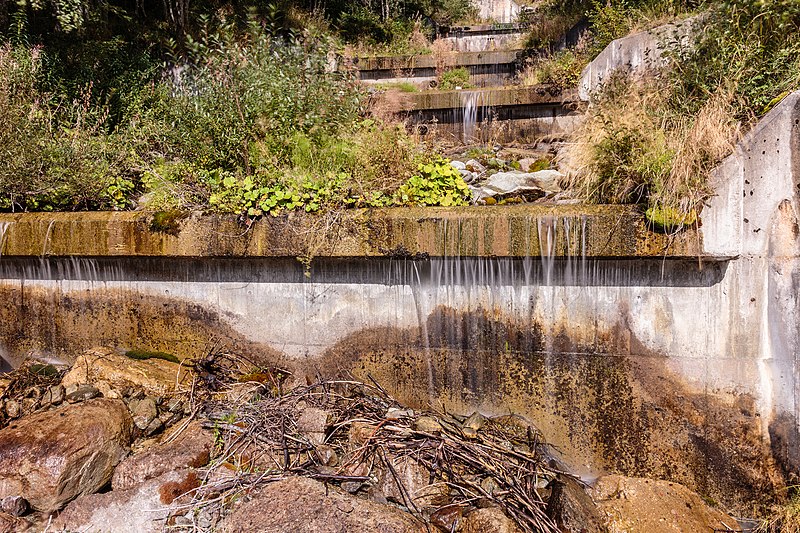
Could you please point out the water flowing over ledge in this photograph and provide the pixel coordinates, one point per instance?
(503, 231)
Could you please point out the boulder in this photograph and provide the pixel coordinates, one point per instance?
(489, 519)
(140, 509)
(302, 505)
(112, 373)
(191, 448)
(572, 509)
(530, 185)
(49, 458)
(634, 505)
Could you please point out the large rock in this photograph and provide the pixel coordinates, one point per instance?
(530, 185)
(109, 371)
(140, 509)
(52, 457)
(302, 505)
(190, 449)
(635, 505)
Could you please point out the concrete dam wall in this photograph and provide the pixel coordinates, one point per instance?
(633, 351)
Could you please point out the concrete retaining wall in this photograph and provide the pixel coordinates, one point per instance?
(643, 356)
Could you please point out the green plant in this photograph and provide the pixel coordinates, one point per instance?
(562, 69)
(784, 518)
(437, 183)
(454, 78)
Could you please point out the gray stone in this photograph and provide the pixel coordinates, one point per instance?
(530, 185)
(475, 166)
(53, 395)
(153, 427)
(458, 165)
(14, 505)
(80, 393)
(144, 412)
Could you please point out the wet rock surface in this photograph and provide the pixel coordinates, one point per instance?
(52, 457)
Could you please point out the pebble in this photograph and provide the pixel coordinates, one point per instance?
(427, 424)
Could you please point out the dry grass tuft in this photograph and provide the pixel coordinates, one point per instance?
(633, 149)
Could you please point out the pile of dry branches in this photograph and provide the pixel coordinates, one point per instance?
(263, 435)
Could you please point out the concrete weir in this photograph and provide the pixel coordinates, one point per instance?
(498, 114)
(634, 352)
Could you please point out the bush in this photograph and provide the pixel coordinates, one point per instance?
(632, 148)
(57, 154)
(453, 78)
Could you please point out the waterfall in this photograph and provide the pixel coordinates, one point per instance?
(473, 110)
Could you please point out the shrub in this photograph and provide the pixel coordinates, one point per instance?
(453, 78)
(632, 148)
(57, 153)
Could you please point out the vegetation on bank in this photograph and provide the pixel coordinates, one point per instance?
(654, 140)
(236, 108)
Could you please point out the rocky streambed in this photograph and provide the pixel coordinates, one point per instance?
(141, 443)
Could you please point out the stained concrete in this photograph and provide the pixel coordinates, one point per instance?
(676, 362)
(635, 54)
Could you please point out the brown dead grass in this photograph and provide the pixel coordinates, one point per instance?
(632, 148)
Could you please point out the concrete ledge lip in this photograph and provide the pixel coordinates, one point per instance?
(524, 230)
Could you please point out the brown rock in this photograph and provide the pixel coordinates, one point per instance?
(635, 505)
(302, 505)
(12, 524)
(490, 519)
(156, 376)
(311, 423)
(139, 509)
(572, 509)
(411, 481)
(191, 448)
(49, 458)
